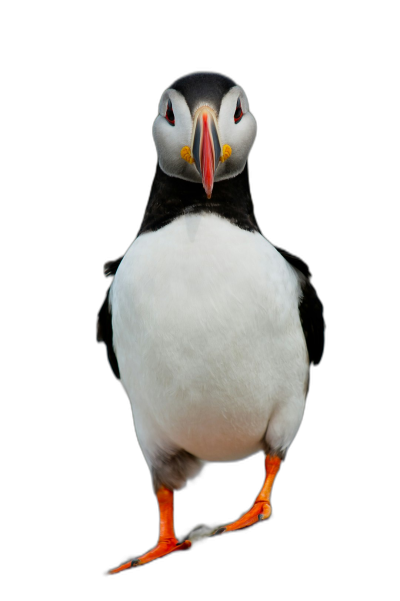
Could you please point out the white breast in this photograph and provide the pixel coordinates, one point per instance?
(208, 339)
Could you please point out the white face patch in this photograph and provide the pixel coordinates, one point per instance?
(170, 139)
(240, 136)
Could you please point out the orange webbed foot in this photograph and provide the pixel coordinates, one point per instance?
(163, 547)
(167, 542)
(260, 511)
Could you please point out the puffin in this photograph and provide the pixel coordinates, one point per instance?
(210, 328)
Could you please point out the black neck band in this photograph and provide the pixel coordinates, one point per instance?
(171, 197)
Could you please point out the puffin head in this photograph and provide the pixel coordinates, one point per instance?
(204, 130)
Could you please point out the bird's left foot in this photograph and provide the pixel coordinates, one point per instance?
(261, 510)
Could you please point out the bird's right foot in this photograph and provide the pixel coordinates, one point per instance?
(163, 547)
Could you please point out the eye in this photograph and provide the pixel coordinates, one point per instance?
(238, 113)
(169, 115)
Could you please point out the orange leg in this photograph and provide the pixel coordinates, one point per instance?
(167, 542)
(261, 509)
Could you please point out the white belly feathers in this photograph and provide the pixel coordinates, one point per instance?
(208, 340)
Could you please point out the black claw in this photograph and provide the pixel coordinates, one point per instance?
(135, 562)
(219, 531)
(261, 517)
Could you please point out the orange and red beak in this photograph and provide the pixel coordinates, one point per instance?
(206, 147)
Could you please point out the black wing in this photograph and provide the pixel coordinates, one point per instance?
(104, 320)
(310, 309)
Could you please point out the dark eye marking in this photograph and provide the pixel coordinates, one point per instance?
(169, 114)
(239, 112)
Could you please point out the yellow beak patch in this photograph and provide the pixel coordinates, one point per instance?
(187, 155)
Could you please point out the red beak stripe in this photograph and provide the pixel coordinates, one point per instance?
(207, 160)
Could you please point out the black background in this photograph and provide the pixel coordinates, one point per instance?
(300, 166)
